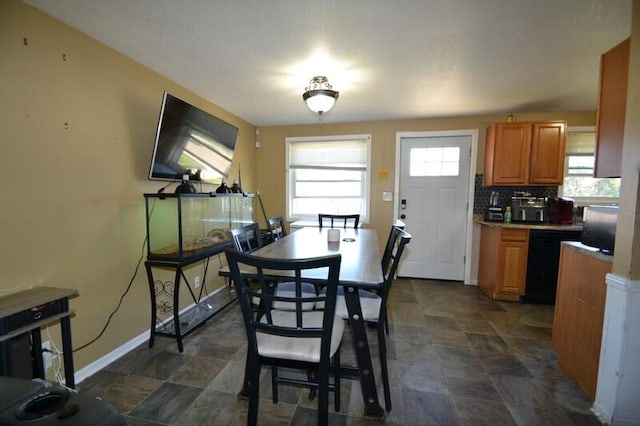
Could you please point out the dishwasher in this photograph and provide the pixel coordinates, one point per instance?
(542, 264)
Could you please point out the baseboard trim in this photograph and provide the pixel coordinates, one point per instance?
(127, 347)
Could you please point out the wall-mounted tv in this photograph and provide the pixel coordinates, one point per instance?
(190, 141)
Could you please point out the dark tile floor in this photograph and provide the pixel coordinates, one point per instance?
(455, 358)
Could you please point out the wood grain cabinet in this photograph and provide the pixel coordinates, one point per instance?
(579, 314)
(502, 272)
(612, 103)
(525, 153)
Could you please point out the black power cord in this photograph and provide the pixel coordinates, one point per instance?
(135, 273)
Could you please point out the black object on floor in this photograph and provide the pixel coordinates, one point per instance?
(41, 402)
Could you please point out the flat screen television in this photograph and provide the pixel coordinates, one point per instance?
(599, 227)
(190, 141)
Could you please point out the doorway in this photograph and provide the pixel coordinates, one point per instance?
(434, 198)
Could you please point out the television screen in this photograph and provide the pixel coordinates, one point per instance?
(191, 142)
(599, 227)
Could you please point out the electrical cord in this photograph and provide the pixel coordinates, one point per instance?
(56, 363)
(135, 273)
(126, 291)
(133, 277)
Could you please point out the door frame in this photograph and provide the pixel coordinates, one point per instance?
(473, 133)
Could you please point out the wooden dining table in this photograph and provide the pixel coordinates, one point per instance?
(360, 269)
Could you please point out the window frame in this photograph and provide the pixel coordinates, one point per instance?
(583, 200)
(366, 184)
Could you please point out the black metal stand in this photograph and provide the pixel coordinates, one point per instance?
(169, 293)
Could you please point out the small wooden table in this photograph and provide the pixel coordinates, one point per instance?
(360, 269)
(35, 302)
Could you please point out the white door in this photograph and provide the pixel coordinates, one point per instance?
(433, 199)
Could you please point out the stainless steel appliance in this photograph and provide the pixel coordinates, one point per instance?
(525, 208)
(494, 212)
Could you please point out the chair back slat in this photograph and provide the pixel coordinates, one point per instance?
(277, 227)
(268, 273)
(246, 239)
(398, 239)
(343, 219)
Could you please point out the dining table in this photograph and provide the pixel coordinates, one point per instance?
(360, 269)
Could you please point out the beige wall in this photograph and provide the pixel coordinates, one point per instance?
(73, 212)
(627, 251)
(77, 124)
(270, 157)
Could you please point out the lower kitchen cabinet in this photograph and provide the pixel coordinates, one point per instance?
(502, 272)
(579, 313)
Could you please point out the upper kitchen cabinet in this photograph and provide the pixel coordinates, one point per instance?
(612, 102)
(525, 153)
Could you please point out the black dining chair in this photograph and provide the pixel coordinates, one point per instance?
(246, 239)
(374, 304)
(295, 338)
(331, 219)
(276, 228)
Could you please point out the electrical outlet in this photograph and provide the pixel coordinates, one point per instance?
(196, 281)
(47, 356)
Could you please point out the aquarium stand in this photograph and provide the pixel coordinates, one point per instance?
(165, 297)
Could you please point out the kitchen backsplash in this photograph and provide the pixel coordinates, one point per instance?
(482, 193)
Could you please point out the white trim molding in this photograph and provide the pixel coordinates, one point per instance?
(619, 370)
(471, 258)
(122, 350)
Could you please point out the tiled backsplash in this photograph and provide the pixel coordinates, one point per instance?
(482, 193)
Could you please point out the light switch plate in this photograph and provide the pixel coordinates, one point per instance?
(387, 196)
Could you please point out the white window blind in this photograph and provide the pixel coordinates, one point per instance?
(337, 155)
(579, 182)
(328, 175)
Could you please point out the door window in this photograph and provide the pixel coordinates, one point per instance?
(438, 161)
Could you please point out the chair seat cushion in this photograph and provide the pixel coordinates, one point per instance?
(287, 289)
(295, 348)
(369, 303)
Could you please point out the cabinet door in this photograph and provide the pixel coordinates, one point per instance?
(512, 261)
(547, 153)
(579, 316)
(507, 154)
(612, 102)
(489, 252)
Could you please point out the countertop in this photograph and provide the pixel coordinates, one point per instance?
(538, 226)
(589, 251)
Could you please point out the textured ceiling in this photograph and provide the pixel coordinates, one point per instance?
(389, 59)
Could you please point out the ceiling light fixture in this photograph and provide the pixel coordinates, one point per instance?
(319, 96)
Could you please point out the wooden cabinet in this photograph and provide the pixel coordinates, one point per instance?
(612, 103)
(579, 314)
(525, 153)
(502, 270)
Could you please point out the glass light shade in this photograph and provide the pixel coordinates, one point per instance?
(320, 102)
(319, 95)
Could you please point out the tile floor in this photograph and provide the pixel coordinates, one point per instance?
(455, 358)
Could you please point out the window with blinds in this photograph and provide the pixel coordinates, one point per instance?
(328, 175)
(579, 182)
